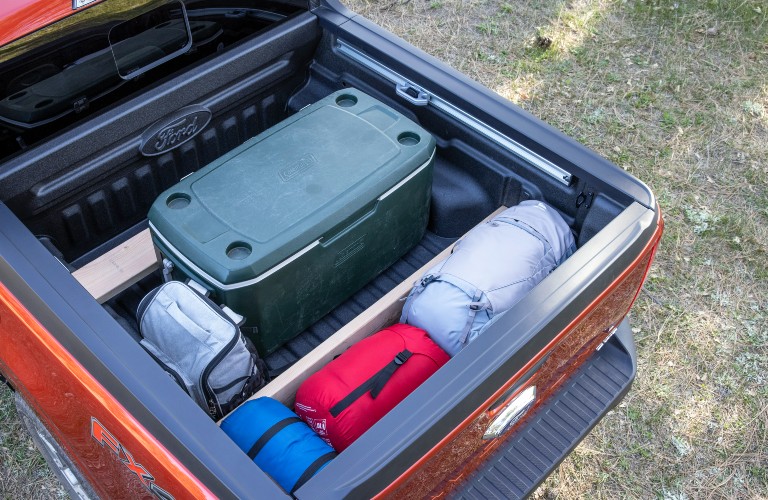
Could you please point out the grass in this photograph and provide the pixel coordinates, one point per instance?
(675, 92)
(23, 471)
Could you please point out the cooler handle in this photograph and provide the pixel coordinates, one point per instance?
(367, 212)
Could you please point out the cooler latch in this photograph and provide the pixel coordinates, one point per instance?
(167, 270)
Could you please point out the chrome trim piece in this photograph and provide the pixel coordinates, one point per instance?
(357, 56)
(514, 147)
(611, 332)
(77, 4)
(513, 412)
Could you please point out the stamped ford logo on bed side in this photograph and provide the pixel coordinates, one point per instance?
(174, 130)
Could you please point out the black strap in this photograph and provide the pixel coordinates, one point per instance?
(269, 434)
(375, 384)
(239, 380)
(312, 469)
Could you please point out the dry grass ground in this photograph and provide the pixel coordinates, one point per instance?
(676, 92)
(23, 471)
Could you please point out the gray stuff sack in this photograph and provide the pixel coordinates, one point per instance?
(488, 271)
(200, 346)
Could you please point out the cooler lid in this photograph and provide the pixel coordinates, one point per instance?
(288, 187)
(294, 173)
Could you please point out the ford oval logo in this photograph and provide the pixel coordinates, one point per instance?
(174, 130)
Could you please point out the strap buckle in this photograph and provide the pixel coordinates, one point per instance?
(402, 357)
(426, 280)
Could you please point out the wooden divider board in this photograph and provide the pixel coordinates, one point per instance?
(384, 312)
(119, 268)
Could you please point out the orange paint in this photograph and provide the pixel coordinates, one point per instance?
(66, 397)
(21, 17)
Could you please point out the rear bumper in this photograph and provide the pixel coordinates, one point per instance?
(532, 452)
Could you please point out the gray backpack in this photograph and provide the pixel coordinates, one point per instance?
(200, 345)
(489, 270)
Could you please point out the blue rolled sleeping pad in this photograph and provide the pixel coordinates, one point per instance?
(278, 441)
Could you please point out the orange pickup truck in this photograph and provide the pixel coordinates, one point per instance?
(83, 85)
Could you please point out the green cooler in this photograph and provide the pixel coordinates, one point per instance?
(287, 226)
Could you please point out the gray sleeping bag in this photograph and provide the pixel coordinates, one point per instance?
(490, 269)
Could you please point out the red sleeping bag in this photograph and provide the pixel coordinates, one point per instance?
(352, 392)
